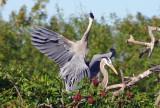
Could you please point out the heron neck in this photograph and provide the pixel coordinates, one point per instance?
(86, 34)
(105, 74)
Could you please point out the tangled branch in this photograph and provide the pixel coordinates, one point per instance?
(149, 45)
(123, 86)
(133, 80)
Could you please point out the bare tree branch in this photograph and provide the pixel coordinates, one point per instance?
(118, 92)
(150, 29)
(149, 45)
(158, 99)
(114, 86)
(133, 80)
(70, 104)
(122, 76)
(131, 40)
(46, 105)
(123, 85)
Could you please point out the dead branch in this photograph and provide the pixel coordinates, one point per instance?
(122, 76)
(15, 88)
(70, 104)
(117, 92)
(133, 80)
(114, 86)
(123, 85)
(78, 104)
(62, 101)
(46, 105)
(158, 99)
(149, 45)
(131, 40)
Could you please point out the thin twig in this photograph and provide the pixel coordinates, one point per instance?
(122, 76)
(47, 105)
(118, 92)
(78, 104)
(158, 99)
(15, 88)
(62, 100)
(70, 104)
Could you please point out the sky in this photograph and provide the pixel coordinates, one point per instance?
(98, 7)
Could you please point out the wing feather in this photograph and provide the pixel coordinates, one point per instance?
(52, 44)
(60, 49)
(38, 36)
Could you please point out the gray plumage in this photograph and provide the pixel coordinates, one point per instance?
(94, 64)
(69, 55)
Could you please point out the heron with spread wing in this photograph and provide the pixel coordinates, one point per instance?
(69, 55)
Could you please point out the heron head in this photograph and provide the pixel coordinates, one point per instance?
(108, 62)
(91, 15)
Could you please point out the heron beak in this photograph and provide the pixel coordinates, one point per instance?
(114, 70)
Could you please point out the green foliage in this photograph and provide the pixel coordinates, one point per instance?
(36, 76)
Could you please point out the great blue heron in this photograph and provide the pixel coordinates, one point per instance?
(70, 56)
(94, 64)
(105, 61)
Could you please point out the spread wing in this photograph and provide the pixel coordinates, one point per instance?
(53, 45)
